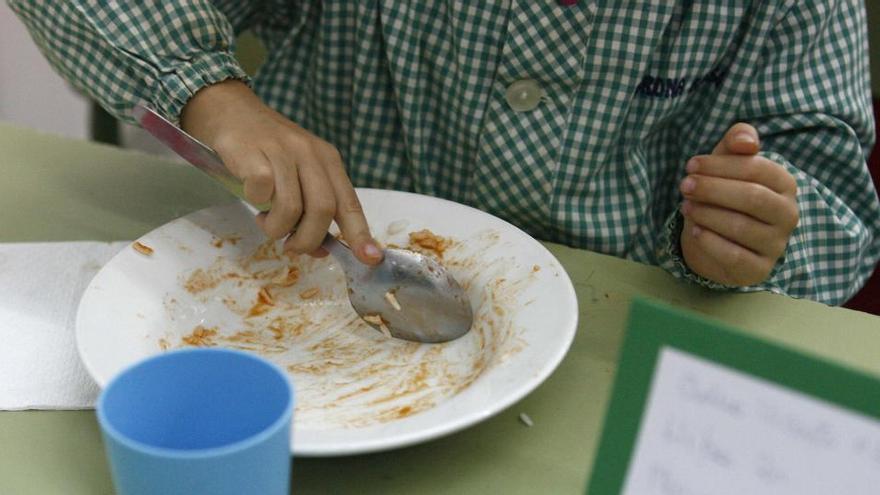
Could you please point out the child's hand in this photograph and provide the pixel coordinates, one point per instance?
(739, 211)
(278, 161)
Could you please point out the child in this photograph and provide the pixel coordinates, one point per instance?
(612, 128)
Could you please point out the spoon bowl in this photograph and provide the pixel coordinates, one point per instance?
(409, 293)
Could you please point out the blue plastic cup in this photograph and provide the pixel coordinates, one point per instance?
(194, 421)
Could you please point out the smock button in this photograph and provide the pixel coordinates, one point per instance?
(524, 95)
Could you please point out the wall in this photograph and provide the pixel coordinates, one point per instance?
(31, 94)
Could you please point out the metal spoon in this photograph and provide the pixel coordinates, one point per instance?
(415, 297)
(411, 294)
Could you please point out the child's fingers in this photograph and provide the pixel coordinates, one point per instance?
(755, 169)
(744, 230)
(349, 212)
(750, 198)
(319, 253)
(259, 186)
(740, 266)
(319, 206)
(287, 202)
(740, 139)
(252, 166)
(696, 258)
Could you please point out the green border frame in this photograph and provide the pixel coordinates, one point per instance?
(653, 326)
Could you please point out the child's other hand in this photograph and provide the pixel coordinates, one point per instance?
(739, 211)
(302, 175)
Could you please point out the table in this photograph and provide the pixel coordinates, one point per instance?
(56, 189)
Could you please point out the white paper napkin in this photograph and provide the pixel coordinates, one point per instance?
(40, 288)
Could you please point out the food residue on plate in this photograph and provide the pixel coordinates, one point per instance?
(200, 281)
(263, 303)
(376, 319)
(142, 248)
(396, 227)
(426, 241)
(288, 279)
(347, 375)
(392, 300)
(265, 251)
(265, 297)
(201, 337)
(218, 242)
(309, 293)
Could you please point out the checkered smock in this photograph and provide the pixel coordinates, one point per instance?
(587, 150)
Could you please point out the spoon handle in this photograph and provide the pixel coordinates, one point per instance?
(194, 151)
(341, 253)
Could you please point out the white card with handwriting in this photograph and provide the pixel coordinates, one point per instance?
(710, 429)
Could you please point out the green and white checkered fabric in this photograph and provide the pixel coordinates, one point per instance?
(413, 95)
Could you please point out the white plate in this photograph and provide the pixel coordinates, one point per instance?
(356, 391)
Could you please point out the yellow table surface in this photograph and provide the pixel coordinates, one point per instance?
(55, 189)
